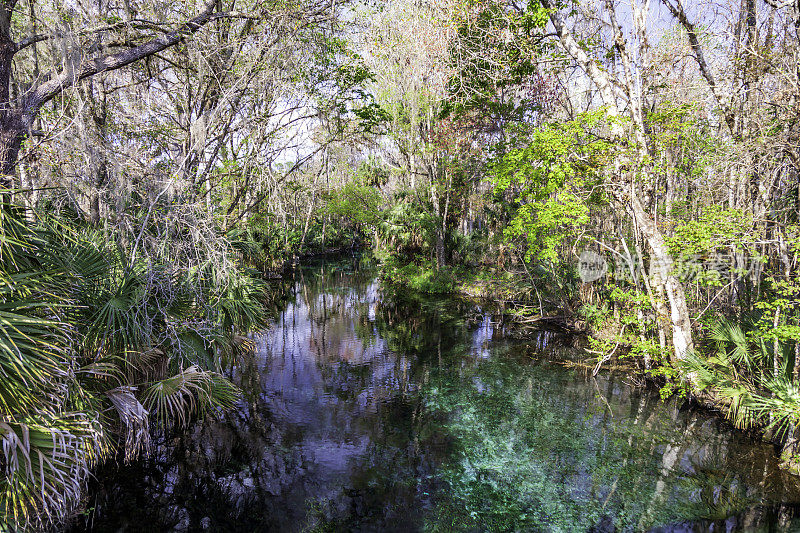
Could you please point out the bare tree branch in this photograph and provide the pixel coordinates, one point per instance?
(679, 13)
(44, 92)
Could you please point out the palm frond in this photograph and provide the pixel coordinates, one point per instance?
(735, 375)
(80, 324)
(47, 459)
(241, 304)
(134, 417)
(780, 406)
(30, 359)
(174, 400)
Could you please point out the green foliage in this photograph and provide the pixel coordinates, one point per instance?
(421, 276)
(408, 233)
(552, 174)
(238, 302)
(782, 298)
(681, 130)
(358, 204)
(372, 172)
(739, 371)
(351, 102)
(408, 228)
(266, 242)
(715, 228)
(192, 392)
(595, 316)
(629, 331)
(46, 459)
(503, 45)
(94, 344)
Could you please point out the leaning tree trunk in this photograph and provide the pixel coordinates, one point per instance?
(664, 280)
(610, 93)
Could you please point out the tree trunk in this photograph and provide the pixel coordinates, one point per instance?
(16, 115)
(12, 127)
(441, 260)
(11, 134)
(664, 280)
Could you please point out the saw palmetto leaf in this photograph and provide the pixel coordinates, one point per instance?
(89, 346)
(189, 393)
(47, 460)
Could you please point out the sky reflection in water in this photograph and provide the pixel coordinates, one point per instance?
(364, 412)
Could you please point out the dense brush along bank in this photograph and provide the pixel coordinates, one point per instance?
(369, 412)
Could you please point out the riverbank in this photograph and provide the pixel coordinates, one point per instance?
(606, 346)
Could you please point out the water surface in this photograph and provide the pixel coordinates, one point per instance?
(369, 412)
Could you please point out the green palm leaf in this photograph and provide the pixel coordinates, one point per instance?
(192, 392)
(47, 460)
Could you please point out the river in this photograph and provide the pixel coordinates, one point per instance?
(365, 412)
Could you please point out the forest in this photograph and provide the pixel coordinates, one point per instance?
(625, 170)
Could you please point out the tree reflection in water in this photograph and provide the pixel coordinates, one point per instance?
(373, 412)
